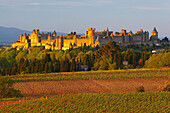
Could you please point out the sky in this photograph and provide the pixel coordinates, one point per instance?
(78, 15)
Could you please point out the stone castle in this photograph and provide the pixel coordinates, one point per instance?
(92, 38)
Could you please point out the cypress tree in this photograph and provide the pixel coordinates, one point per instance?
(20, 65)
(79, 67)
(134, 60)
(119, 59)
(41, 69)
(129, 59)
(51, 67)
(62, 66)
(114, 60)
(66, 65)
(46, 67)
(144, 57)
(32, 67)
(53, 58)
(73, 65)
(37, 65)
(3, 70)
(57, 66)
(14, 69)
(25, 65)
(8, 70)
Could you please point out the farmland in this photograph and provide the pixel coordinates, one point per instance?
(50, 88)
(110, 74)
(94, 91)
(117, 102)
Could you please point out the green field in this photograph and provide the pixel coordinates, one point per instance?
(117, 102)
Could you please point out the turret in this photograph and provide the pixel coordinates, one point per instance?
(141, 30)
(107, 31)
(54, 34)
(91, 37)
(37, 31)
(154, 32)
(111, 35)
(33, 32)
(60, 42)
(75, 39)
(123, 31)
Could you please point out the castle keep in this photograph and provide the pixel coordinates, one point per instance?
(92, 38)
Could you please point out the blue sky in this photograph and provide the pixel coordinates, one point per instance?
(78, 15)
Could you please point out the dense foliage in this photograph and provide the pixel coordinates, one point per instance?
(158, 60)
(39, 60)
(120, 102)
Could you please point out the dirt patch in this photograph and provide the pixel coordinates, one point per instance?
(6, 103)
(45, 88)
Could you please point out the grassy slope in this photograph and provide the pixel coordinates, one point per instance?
(118, 102)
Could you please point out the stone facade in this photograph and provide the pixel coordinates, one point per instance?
(92, 38)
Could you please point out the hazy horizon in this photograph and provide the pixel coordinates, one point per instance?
(68, 16)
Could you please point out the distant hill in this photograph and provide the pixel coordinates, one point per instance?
(8, 35)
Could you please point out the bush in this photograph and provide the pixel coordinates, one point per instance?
(140, 89)
(129, 67)
(166, 87)
(6, 89)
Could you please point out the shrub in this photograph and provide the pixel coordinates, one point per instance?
(166, 87)
(129, 67)
(6, 89)
(140, 89)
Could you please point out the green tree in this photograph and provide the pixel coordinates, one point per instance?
(51, 68)
(119, 60)
(14, 69)
(73, 65)
(134, 60)
(37, 65)
(46, 67)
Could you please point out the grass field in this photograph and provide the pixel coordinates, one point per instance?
(118, 102)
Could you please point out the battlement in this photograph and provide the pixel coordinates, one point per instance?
(92, 38)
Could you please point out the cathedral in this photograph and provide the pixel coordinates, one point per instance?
(92, 38)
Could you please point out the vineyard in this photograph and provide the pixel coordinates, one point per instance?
(120, 102)
(94, 91)
(126, 85)
(113, 74)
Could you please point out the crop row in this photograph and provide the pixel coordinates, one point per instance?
(118, 102)
(92, 75)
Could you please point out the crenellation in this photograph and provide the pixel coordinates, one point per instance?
(92, 38)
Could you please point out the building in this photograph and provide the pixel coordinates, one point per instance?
(92, 38)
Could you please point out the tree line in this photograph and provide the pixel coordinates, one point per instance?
(39, 60)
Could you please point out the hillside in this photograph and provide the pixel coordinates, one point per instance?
(10, 34)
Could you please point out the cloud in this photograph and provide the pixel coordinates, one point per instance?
(60, 3)
(150, 8)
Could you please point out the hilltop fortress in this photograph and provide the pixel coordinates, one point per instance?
(92, 38)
